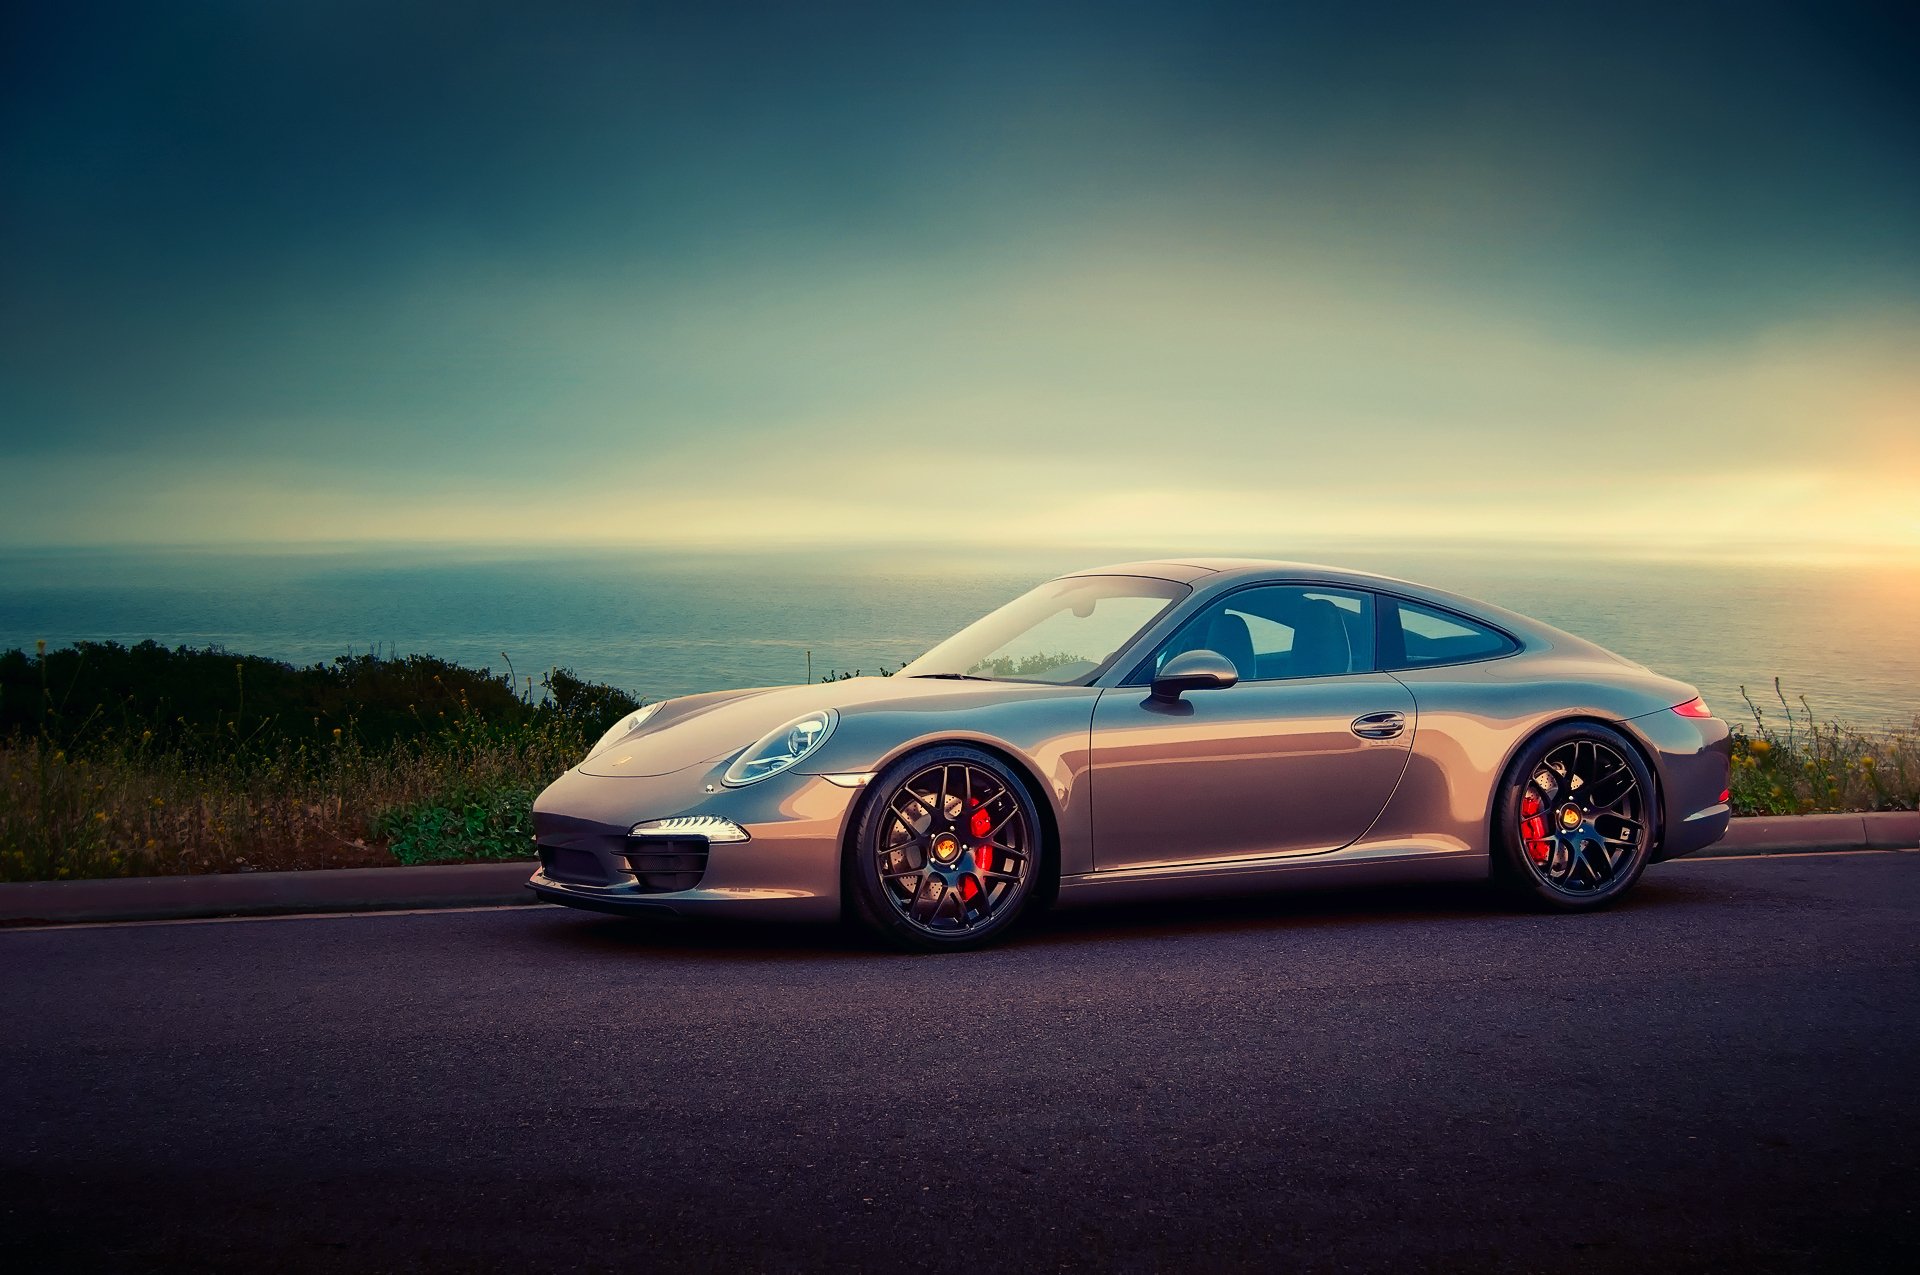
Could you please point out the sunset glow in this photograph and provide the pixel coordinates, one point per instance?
(1167, 290)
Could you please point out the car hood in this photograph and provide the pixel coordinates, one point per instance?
(705, 729)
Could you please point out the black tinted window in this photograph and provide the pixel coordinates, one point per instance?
(1426, 636)
(1280, 630)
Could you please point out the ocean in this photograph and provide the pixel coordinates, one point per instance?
(661, 623)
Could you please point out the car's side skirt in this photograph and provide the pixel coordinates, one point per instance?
(1354, 866)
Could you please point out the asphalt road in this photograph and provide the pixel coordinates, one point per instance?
(1719, 1074)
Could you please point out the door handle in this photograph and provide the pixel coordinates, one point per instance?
(1379, 725)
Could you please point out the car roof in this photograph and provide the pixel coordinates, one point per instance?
(1189, 570)
(1209, 575)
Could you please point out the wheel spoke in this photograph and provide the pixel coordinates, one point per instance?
(1000, 790)
(1562, 856)
(927, 899)
(1576, 860)
(1582, 863)
(952, 901)
(981, 903)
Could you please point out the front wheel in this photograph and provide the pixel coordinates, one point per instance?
(946, 852)
(1575, 819)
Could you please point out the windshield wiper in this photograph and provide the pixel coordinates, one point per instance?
(954, 677)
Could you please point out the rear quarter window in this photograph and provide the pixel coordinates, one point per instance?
(1417, 636)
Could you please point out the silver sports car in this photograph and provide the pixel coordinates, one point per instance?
(1143, 731)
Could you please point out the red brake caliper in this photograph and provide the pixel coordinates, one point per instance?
(981, 826)
(1533, 829)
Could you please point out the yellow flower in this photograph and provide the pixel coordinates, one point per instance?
(336, 732)
(100, 817)
(39, 646)
(1760, 746)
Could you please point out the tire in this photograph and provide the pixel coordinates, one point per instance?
(948, 879)
(1583, 771)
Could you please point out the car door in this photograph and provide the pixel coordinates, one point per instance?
(1300, 756)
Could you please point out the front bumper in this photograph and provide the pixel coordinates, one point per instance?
(788, 869)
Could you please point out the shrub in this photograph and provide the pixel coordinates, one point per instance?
(487, 823)
(110, 766)
(1794, 764)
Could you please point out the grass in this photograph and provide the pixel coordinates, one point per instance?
(122, 761)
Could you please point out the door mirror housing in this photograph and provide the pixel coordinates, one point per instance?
(1193, 671)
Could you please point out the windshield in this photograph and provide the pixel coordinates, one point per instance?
(1063, 631)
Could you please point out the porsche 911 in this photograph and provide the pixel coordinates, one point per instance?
(1150, 731)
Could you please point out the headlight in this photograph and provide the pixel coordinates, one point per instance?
(623, 728)
(712, 827)
(779, 749)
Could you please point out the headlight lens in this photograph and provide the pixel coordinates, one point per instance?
(623, 728)
(712, 827)
(779, 749)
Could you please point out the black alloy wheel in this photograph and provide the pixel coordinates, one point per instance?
(1576, 818)
(946, 852)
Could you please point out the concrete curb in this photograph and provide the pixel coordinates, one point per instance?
(499, 884)
(266, 893)
(1812, 834)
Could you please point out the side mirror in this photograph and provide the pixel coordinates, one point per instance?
(1193, 671)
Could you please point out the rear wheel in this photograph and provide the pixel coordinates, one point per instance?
(946, 853)
(1575, 819)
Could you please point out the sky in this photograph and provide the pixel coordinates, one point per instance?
(1205, 276)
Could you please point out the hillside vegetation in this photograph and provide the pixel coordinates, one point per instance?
(151, 760)
(148, 760)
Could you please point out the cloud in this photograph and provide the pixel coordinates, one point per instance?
(1220, 274)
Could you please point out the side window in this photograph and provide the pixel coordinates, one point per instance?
(1426, 636)
(1278, 631)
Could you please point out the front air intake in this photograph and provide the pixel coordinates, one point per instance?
(579, 867)
(663, 865)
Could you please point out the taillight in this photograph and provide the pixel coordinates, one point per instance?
(1695, 707)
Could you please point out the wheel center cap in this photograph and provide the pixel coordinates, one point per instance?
(946, 847)
(1570, 817)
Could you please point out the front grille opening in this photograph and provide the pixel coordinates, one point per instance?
(567, 863)
(662, 865)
